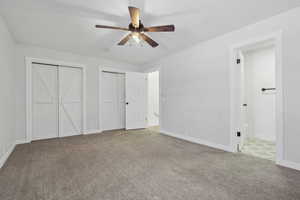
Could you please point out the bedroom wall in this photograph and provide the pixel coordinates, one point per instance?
(7, 95)
(92, 64)
(195, 85)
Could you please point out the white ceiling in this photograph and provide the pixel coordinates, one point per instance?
(68, 25)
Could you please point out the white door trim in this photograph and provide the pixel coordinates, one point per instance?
(29, 61)
(277, 41)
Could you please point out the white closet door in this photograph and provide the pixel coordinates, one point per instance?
(70, 101)
(108, 106)
(136, 100)
(44, 102)
(121, 100)
(113, 101)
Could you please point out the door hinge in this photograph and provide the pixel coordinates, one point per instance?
(238, 134)
(238, 61)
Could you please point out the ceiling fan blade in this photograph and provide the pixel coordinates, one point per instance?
(166, 28)
(112, 27)
(135, 16)
(125, 39)
(149, 40)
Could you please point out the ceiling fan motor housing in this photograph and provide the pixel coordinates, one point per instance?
(134, 29)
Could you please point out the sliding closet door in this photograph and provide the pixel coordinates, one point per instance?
(113, 101)
(44, 102)
(70, 101)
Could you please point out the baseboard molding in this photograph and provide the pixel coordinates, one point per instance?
(21, 142)
(6, 155)
(95, 131)
(198, 141)
(289, 164)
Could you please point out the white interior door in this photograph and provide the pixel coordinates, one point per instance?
(136, 100)
(44, 102)
(113, 101)
(70, 101)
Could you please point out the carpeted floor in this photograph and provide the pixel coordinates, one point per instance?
(140, 165)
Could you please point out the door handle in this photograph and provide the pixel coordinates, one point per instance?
(127, 103)
(266, 89)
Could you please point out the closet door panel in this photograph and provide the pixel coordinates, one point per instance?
(44, 102)
(108, 101)
(121, 101)
(70, 101)
(113, 101)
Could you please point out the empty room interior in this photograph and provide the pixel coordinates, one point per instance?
(149, 100)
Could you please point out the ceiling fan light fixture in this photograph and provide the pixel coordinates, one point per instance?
(136, 37)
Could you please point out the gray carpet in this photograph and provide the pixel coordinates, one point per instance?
(140, 165)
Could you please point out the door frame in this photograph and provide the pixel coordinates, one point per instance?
(29, 61)
(276, 39)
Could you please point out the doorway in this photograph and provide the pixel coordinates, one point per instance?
(122, 100)
(256, 98)
(153, 100)
(258, 110)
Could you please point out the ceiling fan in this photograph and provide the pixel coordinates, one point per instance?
(137, 29)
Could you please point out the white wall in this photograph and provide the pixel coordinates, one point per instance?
(153, 98)
(92, 64)
(195, 85)
(7, 94)
(260, 73)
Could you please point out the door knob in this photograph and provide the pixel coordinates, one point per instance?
(127, 103)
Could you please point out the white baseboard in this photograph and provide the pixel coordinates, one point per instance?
(289, 164)
(95, 131)
(6, 155)
(198, 141)
(21, 142)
